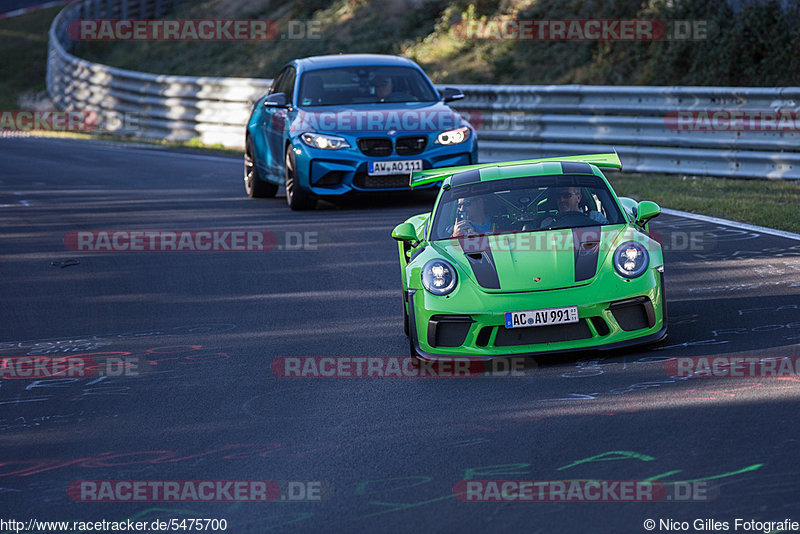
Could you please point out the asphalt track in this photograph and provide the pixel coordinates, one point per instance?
(387, 452)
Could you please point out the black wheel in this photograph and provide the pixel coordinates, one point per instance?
(253, 184)
(296, 197)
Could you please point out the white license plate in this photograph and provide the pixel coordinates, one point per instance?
(382, 168)
(545, 317)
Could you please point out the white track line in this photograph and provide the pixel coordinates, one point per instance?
(735, 224)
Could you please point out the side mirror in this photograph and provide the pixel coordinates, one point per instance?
(405, 232)
(275, 100)
(645, 211)
(451, 93)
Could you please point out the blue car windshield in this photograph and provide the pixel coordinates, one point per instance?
(526, 204)
(342, 86)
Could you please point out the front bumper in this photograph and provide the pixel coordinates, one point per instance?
(332, 173)
(608, 319)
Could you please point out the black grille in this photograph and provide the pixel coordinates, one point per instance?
(600, 325)
(484, 336)
(375, 146)
(634, 314)
(366, 181)
(408, 146)
(331, 179)
(509, 337)
(448, 330)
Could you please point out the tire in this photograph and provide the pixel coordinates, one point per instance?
(296, 197)
(253, 184)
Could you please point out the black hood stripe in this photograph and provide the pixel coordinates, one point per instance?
(575, 167)
(466, 177)
(586, 242)
(480, 258)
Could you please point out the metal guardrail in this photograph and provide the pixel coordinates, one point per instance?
(513, 121)
(180, 108)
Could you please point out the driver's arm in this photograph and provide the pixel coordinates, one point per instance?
(596, 216)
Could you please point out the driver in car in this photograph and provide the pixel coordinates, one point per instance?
(568, 201)
(383, 87)
(471, 218)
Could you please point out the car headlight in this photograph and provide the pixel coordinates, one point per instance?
(325, 142)
(439, 277)
(453, 137)
(631, 259)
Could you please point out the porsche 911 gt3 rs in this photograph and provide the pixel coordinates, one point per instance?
(531, 256)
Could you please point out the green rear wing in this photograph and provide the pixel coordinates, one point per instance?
(436, 175)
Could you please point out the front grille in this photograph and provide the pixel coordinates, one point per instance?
(510, 337)
(375, 146)
(366, 181)
(409, 146)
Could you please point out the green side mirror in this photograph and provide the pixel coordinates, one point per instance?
(645, 211)
(405, 232)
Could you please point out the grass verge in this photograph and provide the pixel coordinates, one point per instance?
(186, 146)
(769, 203)
(23, 47)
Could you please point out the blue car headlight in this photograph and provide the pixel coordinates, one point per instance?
(325, 142)
(631, 259)
(453, 137)
(439, 277)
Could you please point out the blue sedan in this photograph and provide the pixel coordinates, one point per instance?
(331, 125)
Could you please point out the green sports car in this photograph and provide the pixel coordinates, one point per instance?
(525, 257)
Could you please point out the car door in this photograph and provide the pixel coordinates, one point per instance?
(276, 120)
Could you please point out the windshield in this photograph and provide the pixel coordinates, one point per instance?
(526, 204)
(364, 85)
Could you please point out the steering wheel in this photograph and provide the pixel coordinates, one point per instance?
(534, 223)
(566, 219)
